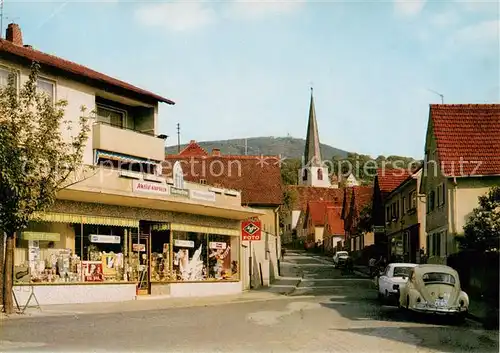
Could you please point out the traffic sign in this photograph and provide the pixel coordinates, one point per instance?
(251, 230)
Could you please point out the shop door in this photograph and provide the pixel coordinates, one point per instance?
(144, 282)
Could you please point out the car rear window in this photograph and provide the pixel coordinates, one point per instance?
(438, 277)
(402, 271)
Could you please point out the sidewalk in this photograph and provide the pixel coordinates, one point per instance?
(143, 304)
(288, 280)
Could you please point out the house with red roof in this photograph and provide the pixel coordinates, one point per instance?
(333, 231)
(386, 180)
(357, 199)
(314, 223)
(257, 178)
(119, 212)
(462, 162)
(405, 226)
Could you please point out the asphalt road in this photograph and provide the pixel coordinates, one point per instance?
(342, 315)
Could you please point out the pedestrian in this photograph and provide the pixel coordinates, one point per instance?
(283, 253)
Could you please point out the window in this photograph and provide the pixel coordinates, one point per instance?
(438, 277)
(110, 115)
(47, 87)
(203, 181)
(431, 201)
(4, 77)
(436, 244)
(405, 206)
(320, 174)
(304, 175)
(388, 214)
(443, 195)
(413, 200)
(402, 271)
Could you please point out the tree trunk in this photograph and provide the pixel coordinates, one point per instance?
(8, 301)
(2, 263)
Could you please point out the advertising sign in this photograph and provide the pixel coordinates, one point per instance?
(251, 230)
(179, 192)
(149, 188)
(184, 243)
(217, 245)
(105, 239)
(92, 271)
(202, 195)
(138, 247)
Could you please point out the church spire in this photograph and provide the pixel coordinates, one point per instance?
(312, 153)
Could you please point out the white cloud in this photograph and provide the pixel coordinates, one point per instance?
(256, 9)
(177, 15)
(408, 8)
(445, 19)
(486, 31)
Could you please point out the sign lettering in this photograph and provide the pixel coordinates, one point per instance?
(251, 230)
(150, 188)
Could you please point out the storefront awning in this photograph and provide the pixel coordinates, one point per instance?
(121, 157)
(203, 229)
(85, 219)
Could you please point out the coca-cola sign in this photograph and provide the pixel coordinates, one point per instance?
(140, 186)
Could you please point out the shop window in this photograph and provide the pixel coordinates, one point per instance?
(205, 257)
(161, 264)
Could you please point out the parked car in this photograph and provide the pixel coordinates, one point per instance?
(434, 289)
(340, 258)
(390, 281)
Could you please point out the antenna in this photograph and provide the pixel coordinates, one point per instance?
(178, 138)
(439, 94)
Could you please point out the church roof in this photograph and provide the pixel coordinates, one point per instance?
(312, 152)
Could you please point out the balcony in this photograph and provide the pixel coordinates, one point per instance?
(110, 138)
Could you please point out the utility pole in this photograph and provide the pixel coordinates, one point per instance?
(178, 138)
(1, 19)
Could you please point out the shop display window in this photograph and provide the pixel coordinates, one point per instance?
(205, 257)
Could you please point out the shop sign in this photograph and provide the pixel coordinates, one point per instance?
(184, 243)
(138, 247)
(44, 236)
(378, 229)
(251, 230)
(149, 188)
(179, 192)
(217, 245)
(202, 195)
(105, 239)
(92, 271)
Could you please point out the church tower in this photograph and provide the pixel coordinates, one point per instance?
(313, 172)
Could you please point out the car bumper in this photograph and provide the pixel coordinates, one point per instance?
(440, 311)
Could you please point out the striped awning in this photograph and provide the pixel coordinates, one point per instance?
(121, 157)
(85, 219)
(202, 229)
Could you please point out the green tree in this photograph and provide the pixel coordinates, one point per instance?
(365, 223)
(289, 198)
(39, 151)
(290, 171)
(482, 230)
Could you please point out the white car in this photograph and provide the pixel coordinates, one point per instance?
(339, 258)
(391, 281)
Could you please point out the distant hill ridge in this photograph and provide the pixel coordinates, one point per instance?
(289, 147)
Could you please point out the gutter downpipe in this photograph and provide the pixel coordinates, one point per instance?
(455, 215)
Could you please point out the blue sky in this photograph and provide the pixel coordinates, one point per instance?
(240, 69)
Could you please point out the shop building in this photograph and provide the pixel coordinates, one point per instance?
(120, 229)
(258, 178)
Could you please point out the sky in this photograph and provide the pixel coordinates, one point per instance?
(241, 69)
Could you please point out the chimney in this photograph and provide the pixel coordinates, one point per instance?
(13, 34)
(216, 152)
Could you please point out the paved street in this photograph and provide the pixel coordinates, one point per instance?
(324, 312)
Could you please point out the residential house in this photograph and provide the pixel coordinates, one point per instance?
(314, 222)
(333, 232)
(119, 229)
(303, 195)
(405, 214)
(259, 180)
(356, 199)
(462, 162)
(386, 180)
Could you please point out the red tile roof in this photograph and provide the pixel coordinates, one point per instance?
(258, 178)
(316, 211)
(73, 68)
(389, 179)
(193, 149)
(359, 197)
(334, 224)
(468, 137)
(306, 194)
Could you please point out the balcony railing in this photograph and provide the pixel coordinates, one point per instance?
(107, 137)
